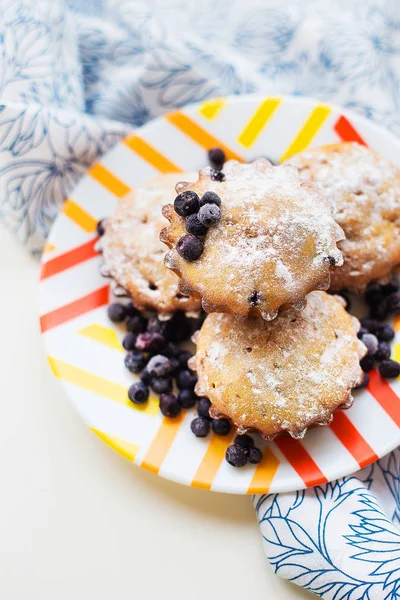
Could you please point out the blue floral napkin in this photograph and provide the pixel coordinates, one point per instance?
(75, 80)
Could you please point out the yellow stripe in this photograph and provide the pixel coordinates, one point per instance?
(48, 247)
(98, 385)
(258, 121)
(200, 135)
(124, 448)
(161, 443)
(264, 473)
(109, 180)
(211, 108)
(79, 216)
(103, 335)
(308, 131)
(151, 155)
(396, 352)
(211, 462)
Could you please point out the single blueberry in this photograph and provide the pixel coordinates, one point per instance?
(129, 341)
(189, 247)
(216, 156)
(171, 350)
(221, 426)
(200, 426)
(159, 366)
(236, 455)
(148, 342)
(367, 363)
(135, 361)
(210, 198)
(155, 325)
(186, 380)
(136, 324)
(210, 215)
(138, 393)
(371, 342)
(116, 312)
(187, 398)
(380, 311)
(383, 352)
(100, 227)
(385, 332)
(131, 311)
(373, 295)
(145, 376)
(169, 405)
(186, 203)
(195, 226)
(203, 407)
(161, 385)
(370, 324)
(255, 455)
(390, 288)
(389, 369)
(393, 303)
(183, 358)
(244, 440)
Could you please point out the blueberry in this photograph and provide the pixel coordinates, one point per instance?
(186, 380)
(189, 247)
(371, 342)
(216, 156)
(161, 385)
(131, 311)
(390, 288)
(100, 227)
(362, 331)
(154, 325)
(221, 426)
(210, 198)
(136, 324)
(203, 407)
(254, 299)
(393, 303)
(373, 295)
(380, 311)
(364, 382)
(145, 377)
(389, 369)
(129, 341)
(148, 342)
(383, 352)
(367, 363)
(169, 405)
(217, 176)
(181, 328)
(193, 225)
(186, 203)
(236, 455)
(171, 350)
(210, 215)
(370, 324)
(116, 312)
(244, 440)
(385, 332)
(255, 456)
(187, 398)
(183, 358)
(200, 426)
(159, 366)
(135, 361)
(138, 393)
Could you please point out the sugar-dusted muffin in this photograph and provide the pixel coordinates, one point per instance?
(133, 254)
(260, 238)
(366, 190)
(282, 375)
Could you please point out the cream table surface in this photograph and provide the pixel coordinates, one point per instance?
(77, 520)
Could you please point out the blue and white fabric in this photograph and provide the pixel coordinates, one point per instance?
(78, 76)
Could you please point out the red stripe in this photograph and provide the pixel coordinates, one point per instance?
(74, 309)
(346, 131)
(69, 259)
(301, 461)
(351, 438)
(384, 394)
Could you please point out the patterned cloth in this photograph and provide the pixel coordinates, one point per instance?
(75, 82)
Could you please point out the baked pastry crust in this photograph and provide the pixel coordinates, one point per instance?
(282, 375)
(276, 241)
(366, 190)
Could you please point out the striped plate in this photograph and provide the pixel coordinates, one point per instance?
(84, 349)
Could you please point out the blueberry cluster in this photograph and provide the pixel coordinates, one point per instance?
(383, 301)
(243, 451)
(200, 214)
